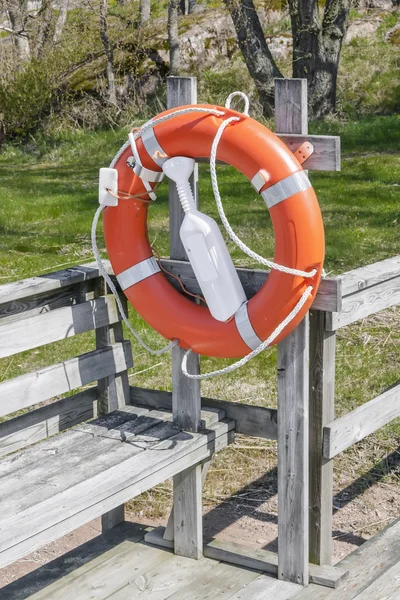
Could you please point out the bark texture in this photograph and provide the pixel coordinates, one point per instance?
(173, 37)
(144, 11)
(256, 53)
(17, 11)
(109, 52)
(317, 44)
(61, 21)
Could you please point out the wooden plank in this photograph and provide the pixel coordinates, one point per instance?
(26, 465)
(43, 284)
(293, 455)
(255, 421)
(329, 295)
(113, 390)
(365, 302)
(42, 303)
(29, 389)
(266, 588)
(365, 564)
(263, 560)
(122, 483)
(44, 422)
(386, 587)
(63, 574)
(100, 578)
(322, 411)
(364, 277)
(360, 422)
(291, 114)
(166, 579)
(326, 155)
(186, 401)
(59, 324)
(221, 581)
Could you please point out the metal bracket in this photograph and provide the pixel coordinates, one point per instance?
(304, 152)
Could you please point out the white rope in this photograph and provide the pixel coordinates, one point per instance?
(231, 233)
(255, 352)
(241, 95)
(113, 289)
(229, 230)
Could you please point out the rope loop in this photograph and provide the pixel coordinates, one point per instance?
(241, 95)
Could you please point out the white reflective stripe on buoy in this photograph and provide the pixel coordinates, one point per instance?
(153, 148)
(146, 268)
(297, 182)
(245, 328)
(258, 181)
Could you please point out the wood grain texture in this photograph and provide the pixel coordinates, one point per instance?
(291, 112)
(368, 301)
(25, 288)
(59, 324)
(255, 421)
(167, 578)
(328, 297)
(326, 155)
(360, 422)
(188, 525)
(123, 481)
(43, 303)
(186, 400)
(39, 424)
(386, 587)
(364, 277)
(263, 560)
(365, 565)
(29, 389)
(293, 455)
(322, 411)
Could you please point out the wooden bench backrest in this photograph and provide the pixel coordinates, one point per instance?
(42, 310)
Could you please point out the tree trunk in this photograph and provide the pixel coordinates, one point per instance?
(192, 4)
(184, 6)
(256, 53)
(45, 16)
(18, 15)
(144, 12)
(317, 45)
(173, 37)
(61, 21)
(109, 52)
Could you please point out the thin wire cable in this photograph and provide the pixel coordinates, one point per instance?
(255, 352)
(113, 289)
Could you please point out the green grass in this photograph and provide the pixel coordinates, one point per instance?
(48, 198)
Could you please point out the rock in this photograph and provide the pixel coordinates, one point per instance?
(393, 35)
(362, 28)
(280, 46)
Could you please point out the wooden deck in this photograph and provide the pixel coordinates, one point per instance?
(121, 566)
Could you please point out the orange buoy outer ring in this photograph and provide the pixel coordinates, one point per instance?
(299, 236)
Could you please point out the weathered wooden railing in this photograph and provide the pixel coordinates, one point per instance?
(45, 309)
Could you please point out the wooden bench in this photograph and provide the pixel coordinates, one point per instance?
(59, 468)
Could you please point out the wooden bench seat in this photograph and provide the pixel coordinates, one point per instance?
(59, 469)
(49, 489)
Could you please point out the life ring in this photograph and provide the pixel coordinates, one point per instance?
(297, 223)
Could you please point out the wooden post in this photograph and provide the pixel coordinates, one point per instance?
(186, 400)
(322, 412)
(291, 117)
(113, 392)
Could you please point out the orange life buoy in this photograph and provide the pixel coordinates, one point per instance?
(299, 236)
